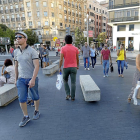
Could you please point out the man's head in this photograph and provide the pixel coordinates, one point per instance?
(41, 44)
(44, 46)
(86, 44)
(21, 38)
(105, 45)
(68, 39)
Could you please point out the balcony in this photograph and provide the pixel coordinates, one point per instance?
(13, 19)
(22, 9)
(131, 4)
(4, 2)
(6, 11)
(123, 19)
(1, 12)
(73, 14)
(7, 20)
(11, 10)
(23, 18)
(65, 11)
(17, 10)
(15, 1)
(69, 13)
(69, 4)
(47, 37)
(2, 20)
(18, 19)
(9, 1)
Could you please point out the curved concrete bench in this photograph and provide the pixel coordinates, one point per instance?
(50, 70)
(89, 88)
(56, 62)
(8, 93)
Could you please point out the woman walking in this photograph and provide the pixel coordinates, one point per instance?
(93, 55)
(121, 60)
(136, 77)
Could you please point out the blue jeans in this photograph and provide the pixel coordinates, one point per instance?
(93, 60)
(86, 58)
(22, 86)
(105, 66)
(120, 64)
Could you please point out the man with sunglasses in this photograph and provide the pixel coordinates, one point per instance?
(26, 70)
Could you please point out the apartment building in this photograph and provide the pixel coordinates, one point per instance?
(124, 17)
(99, 18)
(48, 18)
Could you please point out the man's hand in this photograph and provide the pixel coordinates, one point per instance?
(77, 67)
(60, 71)
(31, 83)
(2, 74)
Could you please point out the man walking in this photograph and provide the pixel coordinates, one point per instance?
(71, 64)
(105, 55)
(41, 48)
(26, 70)
(86, 53)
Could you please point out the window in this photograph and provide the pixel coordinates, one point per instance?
(6, 8)
(121, 28)
(103, 11)
(46, 23)
(104, 24)
(16, 6)
(53, 23)
(52, 4)
(54, 32)
(13, 16)
(38, 14)
(89, 6)
(128, 13)
(47, 32)
(61, 33)
(37, 3)
(97, 16)
(7, 16)
(60, 15)
(85, 7)
(45, 4)
(99, 10)
(61, 24)
(23, 15)
(2, 8)
(38, 23)
(29, 14)
(52, 14)
(60, 7)
(131, 27)
(28, 4)
(96, 9)
(65, 25)
(30, 23)
(45, 14)
(13, 24)
(18, 15)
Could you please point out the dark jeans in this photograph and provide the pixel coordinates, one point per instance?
(72, 71)
(93, 60)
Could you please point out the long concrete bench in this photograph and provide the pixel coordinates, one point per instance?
(50, 70)
(56, 62)
(89, 88)
(8, 93)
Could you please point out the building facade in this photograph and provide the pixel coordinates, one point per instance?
(99, 18)
(48, 18)
(124, 17)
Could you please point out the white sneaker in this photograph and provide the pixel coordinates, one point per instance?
(85, 69)
(88, 69)
(104, 76)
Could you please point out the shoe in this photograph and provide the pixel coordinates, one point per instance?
(93, 68)
(24, 121)
(85, 69)
(104, 76)
(73, 98)
(28, 102)
(36, 115)
(32, 103)
(88, 69)
(68, 96)
(122, 76)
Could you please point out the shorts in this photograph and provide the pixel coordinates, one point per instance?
(45, 59)
(22, 87)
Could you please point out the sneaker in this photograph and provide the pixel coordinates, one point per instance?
(93, 68)
(104, 76)
(72, 98)
(24, 121)
(67, 97)
(85, 69)
(88, 69)
(36, 115)
(32, 104)
(28, 102)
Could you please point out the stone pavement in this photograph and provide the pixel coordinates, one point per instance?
(112, 118)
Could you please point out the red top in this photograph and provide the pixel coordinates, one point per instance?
(106, 54)
(11, 50)
(69, 52)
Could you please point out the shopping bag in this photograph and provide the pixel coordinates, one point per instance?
(59, 81)
(125, 64)
(111, 67)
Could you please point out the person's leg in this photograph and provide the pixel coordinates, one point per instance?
(122, 66)
(88, 59)
(66, 72)
(2, 81)
(92, 62)
(107, 67)
(118, 62)
(94, 58)
(73, 72)
(104, 64)
(41, 63)
(84, 61)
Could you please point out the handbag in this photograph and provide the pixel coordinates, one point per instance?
(111, 67)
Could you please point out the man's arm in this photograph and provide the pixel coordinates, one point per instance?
(60, 62)
(16, 71)
(36, 69)
(110, 58)
(77, 57)
(101, 58)
(2, 69)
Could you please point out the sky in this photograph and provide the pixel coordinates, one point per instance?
(99, 0)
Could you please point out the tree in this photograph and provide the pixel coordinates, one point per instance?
(32, 37)
(11, 34)
(3, 27)
(102, 37)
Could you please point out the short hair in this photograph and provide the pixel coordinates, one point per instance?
(68, 39)
(41, 43)
(44, 45)
(8, 62)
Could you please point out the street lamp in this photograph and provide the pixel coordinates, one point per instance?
(19, 28)
(88, 20)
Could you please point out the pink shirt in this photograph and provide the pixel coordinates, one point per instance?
(69, 52)
(106, 54)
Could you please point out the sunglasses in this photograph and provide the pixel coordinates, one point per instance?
(20, 37)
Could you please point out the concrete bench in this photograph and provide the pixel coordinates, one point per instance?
(50, 70)
(8, 93)
(56, 62)
(89, 88)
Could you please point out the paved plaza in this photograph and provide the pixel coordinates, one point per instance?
(112, 118)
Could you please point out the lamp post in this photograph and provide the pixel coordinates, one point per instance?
(19, 28)
(88, 20)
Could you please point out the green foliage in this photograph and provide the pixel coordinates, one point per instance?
(32, 37)
(102, 37)
(3, 27)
